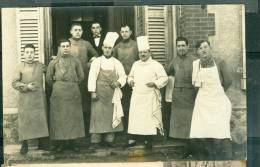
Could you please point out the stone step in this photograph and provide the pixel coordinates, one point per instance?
(172, 150)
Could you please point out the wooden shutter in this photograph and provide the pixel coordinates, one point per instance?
(156, 29)
(30, 30)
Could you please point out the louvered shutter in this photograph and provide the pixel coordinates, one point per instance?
(29, 31)
(156, 29)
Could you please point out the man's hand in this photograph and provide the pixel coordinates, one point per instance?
(32, 86)
(94, 96)
(151, 85)
(132, 83)
(115, 84)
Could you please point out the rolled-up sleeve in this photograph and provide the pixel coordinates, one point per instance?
(130, 76)
(226, 75)
(17, 83)
(92, 78)
(121, 74)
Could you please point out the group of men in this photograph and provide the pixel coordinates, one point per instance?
(87, 77)
(90, 79)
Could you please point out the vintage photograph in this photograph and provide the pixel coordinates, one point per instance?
(124, 84)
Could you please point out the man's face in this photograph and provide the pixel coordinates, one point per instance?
(29, 54)
(182, 48)
(144, 55)
(204, 51)
(125, 32)
(107, 50)
(65, 48)
(96, 29)
(76, 32)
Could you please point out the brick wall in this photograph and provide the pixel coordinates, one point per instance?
(195, 23)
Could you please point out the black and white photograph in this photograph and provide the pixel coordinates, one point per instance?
(164, 85)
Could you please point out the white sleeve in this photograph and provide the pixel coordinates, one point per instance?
(92, 78)
(121, 73)
(131, 74)
(161, 75)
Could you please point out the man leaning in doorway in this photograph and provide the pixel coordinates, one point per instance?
(126, 52)
(97, 38)
(84, 51)
(106, 77)
(184, 94)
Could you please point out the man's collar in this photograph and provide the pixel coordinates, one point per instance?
(126, 40)
(183, 56)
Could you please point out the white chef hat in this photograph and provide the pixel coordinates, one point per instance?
(110, 39)
(143, 43)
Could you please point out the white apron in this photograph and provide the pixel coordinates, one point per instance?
(212, 110)
(144, 101)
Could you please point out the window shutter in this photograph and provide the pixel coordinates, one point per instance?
(29, 31)
(156, 29)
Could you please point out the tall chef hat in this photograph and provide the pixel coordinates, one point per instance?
(143, 43)
(110, 39)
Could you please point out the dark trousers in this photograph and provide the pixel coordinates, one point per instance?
(212, 149)
(127, 92)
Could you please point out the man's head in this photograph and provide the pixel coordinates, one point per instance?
(29, 52)
(76, 31)
(182, 46)
(109, 43)
(203, 49)
(144, 55)
(96, 29)
(125, 32)
(107, 50)
(64, 46)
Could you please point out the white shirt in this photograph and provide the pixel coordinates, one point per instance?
(97, 40)
(105, 64)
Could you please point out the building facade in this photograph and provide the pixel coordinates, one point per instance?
(222, 25)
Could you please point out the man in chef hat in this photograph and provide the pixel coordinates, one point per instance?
(106, 77)
(146, 78)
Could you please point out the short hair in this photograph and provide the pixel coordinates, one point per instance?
(126, 25)
(95, 22)
(76, 24)
(63, 40)
(29, 46)
(182, 39)
(200, 42)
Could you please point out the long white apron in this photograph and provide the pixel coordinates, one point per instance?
(212, 110)
(142, 103)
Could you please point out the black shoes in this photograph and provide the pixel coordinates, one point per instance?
(24, 148)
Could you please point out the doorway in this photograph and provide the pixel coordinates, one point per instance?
(110, 18)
